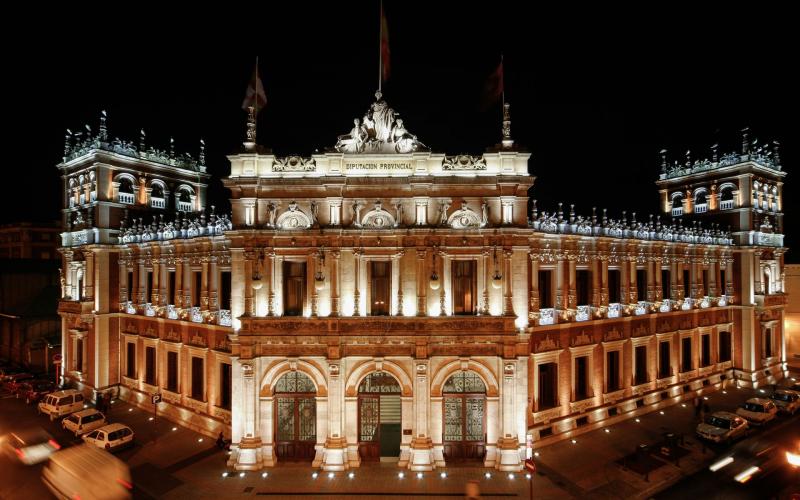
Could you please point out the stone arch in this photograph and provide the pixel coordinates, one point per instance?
(726, 191)
(184, 188)
(279, 369)
(160, 185)
(446, 371)
(361, 371)
(700, 195)
(677, 199)
(123, 178)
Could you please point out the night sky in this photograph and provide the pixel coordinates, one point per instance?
(594, 95)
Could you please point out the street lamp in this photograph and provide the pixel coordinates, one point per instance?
(434, 281)
(256, 282)
(319, 278)
(497, 279)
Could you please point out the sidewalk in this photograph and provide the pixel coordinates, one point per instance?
(591, 466)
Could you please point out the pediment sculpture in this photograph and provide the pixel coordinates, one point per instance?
(379, 131)
(293, 218)
(464, 218)
(378, 218)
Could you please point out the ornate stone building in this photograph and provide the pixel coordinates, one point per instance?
(380, 301)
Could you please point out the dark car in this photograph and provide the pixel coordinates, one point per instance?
(32, 391)
(14, 381)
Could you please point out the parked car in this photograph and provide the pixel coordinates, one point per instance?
(87, 473)
(34, 390)
(722, 426)
(30, 446)
(111, 437)
(13, 381)
(758, 411)
(84, 421)
(786, 401)
(61, 403)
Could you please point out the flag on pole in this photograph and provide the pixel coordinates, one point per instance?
(255, 96)
(494, 85)
(384, 46)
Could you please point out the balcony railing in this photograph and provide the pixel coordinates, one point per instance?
(726, 204)
(126, 198)
(224, 317)
(130, 308)
(184, 206)
(666, 306)
(158, 203)
(584, 313)
(688, 303)
(677, 212)
(705, 302)
(723, 301)
(614, 310)
(701, 208)
(642, 307)
(149, 310)
(547, 316)
(195, 315)
(172, 313)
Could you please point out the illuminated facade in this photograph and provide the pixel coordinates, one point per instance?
(380, 301)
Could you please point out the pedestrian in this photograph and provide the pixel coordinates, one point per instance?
(472, 491)
(221, 441)
(697, 407)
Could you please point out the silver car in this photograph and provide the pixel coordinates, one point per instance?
(722, 427)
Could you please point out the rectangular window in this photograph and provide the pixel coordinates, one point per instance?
(171, 288)
(768, 343)
(79, 355)
(613, 286)
(686, 354)
(613, 370)
(463, 276)
(545, 289)
(705, 281)
(225, 385)
(664, 360)
(197, 287)
(686, 283)
(548, 386)
(148, 292)
(225, 290)
(641, 284)
(705, 351)
(150, 365)
(172, 371)
(130, 363)
(294, 288)
(380, 275)
(583, 287)
(722, 281)
(666, 285)
(724, 346)
(197, 379)
(641, 364)
(130, 285)
(581, 378)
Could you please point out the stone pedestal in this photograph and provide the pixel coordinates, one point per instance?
(353, 458)
(248, 456)
(421, 454)
(508, 455)
(334, 455)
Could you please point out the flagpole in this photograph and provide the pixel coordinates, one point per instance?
(380, 48)
(255, 118)
(503, 76)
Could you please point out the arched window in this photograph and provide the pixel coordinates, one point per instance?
(157, 192)
(677, 204)
(157, 196)
(125, 185)
(726, 197)
(700, 201)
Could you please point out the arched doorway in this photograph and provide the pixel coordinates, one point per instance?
(464, 399)
(379, 417)
(295, 417)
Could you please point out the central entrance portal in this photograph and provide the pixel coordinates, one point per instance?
(464, 417)
(379, 417)
(295, 417)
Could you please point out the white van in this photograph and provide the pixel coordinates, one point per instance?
(61, 403)
(111, 437)
(84, 421)
(88, 473)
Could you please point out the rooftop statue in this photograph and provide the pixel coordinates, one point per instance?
(380, 131)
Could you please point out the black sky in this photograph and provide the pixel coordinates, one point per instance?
(595, 95)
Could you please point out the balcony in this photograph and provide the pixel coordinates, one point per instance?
(184, 206)
(677, 212)
(195, 316)
(701, 208)
(224, 317)
(642, 307)
(726, 204)
(614, 310)
(149, 310)
(172, 313)
(158, 203)
(126, 198)
(666, 306)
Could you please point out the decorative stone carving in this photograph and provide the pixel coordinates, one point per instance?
(464, 218)
(293, 218)
(547, 344)
(294, 164)
(378, 218)
(380, 131)
(247, 370)
(463, 162)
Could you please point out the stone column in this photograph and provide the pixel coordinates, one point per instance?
(249, 453)
(396, 280)
(178, 292)
(604, 281)
(187, 281)
(572, 296)
(729, 279)
(757, 272)
(312, 260)
(442, 287)
(508, 304)
(334, 452)
(141, 295)
(88, 280)
(422, 283)
(675, 280)
(534, 295)
(335, 307)
(204, 285)
(357, 283)
(713, 276)
(421, 455)
(561, 285)
(625, 279)
(163, 282)
(657, 288)
(508, 444)
(123, 283)
(269, 279)
(487, 277)
(155, 292)
(694, 289)
(596, 287)
(249, 303)
(213, 277)
(651, 280)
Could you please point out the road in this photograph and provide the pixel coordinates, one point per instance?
(777, 480)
